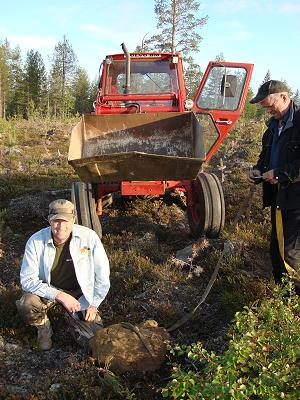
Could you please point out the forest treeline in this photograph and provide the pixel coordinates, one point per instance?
(26, 88)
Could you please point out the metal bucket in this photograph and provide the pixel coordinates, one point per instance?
(137, 147)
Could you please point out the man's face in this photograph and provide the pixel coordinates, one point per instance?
(61, 230)
(276, 106)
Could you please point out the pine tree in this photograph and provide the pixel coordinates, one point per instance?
(16, 94)
(267, 77)
(93, 90)
(260, 112)
(4, 76)
(61, 78)
(220, 57)
(193, 75)
(296, 98)
(81, 91)
(290, 90)
(35, 82)
(11, 89)
(249, 112)
(178, 28)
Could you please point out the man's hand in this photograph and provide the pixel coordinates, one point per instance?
(252, 174)
(269, 177)
(68, 301)
(90, 313)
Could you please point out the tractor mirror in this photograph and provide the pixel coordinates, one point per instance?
(229, 85)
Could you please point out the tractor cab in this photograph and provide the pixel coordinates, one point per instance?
(154, 83)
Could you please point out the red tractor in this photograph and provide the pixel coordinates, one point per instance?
(145, 137)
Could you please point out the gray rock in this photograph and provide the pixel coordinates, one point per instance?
(2, 342)
(25, 376)
(11, 347)
(55, 387)
(185, 254)
(16, 389)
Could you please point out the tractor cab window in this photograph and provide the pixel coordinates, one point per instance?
(150, 76)
(223, 88)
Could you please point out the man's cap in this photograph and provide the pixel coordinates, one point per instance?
(268, 88)
(61, 209)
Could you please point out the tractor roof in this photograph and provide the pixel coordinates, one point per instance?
(146, 56)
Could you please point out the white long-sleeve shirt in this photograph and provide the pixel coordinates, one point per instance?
(90, 262)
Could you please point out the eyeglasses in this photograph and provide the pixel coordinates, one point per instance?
(270, 106)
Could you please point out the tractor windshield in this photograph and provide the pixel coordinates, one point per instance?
(146, 77)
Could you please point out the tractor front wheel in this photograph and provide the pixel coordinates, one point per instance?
(206, 214)
(83, 198)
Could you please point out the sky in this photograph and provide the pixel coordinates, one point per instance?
(265, 33)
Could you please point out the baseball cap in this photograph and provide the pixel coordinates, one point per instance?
(267, 88)
(61, 209)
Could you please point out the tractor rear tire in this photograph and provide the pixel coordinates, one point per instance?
(207, 215)
(83, 198)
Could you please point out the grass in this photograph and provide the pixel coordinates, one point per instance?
(32, 160)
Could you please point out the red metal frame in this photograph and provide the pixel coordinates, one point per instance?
(143, 188)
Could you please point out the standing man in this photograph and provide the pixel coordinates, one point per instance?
(64, 263)
(278, 167)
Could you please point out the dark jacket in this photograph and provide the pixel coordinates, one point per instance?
(286, 195)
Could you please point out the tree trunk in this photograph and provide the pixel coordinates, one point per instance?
(174, 9)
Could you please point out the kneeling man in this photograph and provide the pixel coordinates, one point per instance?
(64, 263)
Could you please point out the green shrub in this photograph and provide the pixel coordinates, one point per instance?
(262, 360)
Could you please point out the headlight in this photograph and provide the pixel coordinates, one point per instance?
(189, 104)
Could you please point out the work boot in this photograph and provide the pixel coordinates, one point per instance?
(44, 336)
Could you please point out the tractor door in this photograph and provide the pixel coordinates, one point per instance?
(220, 100)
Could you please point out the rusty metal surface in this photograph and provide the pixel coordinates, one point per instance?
(135, 166)
(156, 146)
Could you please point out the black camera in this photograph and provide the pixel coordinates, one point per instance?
(257, 179)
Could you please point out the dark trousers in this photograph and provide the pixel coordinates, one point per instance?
(291, 234)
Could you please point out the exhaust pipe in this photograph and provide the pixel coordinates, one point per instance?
(127, 76)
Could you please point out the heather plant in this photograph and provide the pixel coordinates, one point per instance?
(261, 362)
(2, 219)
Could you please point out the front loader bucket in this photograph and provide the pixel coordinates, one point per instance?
(137, 147)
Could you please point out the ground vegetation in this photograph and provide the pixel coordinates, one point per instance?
(145, 238)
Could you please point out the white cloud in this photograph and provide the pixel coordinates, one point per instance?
(114, 37)
(233, 6)
(290, 7)
(32, 41)
(91, 28)
(244, 35)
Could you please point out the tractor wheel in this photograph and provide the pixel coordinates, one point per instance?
(207, 215)
(83, 198)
